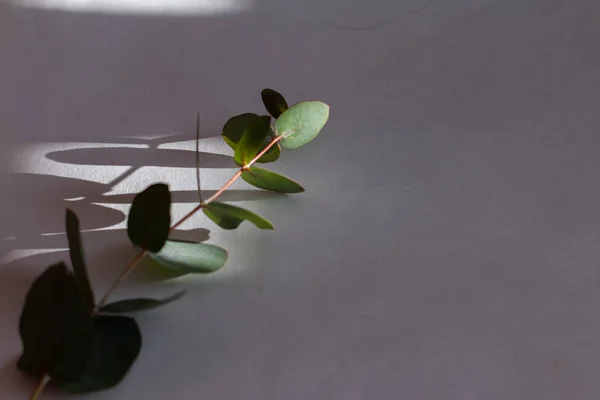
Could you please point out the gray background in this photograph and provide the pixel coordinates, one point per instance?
(447, 246)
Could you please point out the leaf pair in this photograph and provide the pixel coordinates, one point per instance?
(148, 227)
(298, 124)
(63, 339)
(248, 134)
(79, 352)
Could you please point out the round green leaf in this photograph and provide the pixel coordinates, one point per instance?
(274, 102)
(269, 180)
(252, 140)
(141, 304)
(191, 258)
(116, 345)
(301, 123)
(230, 217)
(55, 327)
(234, 128)
(149, 219)
(78, 260)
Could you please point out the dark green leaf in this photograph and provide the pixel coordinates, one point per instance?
(55, 327)
(141, 304)
(230, 217)
(116, 345)
(149, 219)
(191, 258)
(301, 123)
(78, 260)
(252, 140)
(234, 128)
(274, 102)
(269, 180)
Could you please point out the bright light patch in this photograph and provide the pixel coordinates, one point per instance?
(113, 186)
(173, 7)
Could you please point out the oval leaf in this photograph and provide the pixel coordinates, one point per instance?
(191, 258)
(55, 327)
(234, 128)
(274, 102)
(141, 304)
(269, 180)
(301, 123)
(252, 140)
(117, 343)
(78, 261)
(149, 219)
(230, 217)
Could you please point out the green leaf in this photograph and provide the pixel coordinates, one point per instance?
(234, 128)
(116, 345)
(301, 123)
(78, 261)
(269, 180)
(274, 102)
(55, 327)
(191, 258)
(252, 140)
(272, 154)
(230, 217)
(141, 304)
(149, 219)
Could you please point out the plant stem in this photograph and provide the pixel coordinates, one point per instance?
(202, 204)
(220, 191)
(227, 185)
(40, 387)
(127, 271)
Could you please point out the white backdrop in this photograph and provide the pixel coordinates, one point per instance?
(447, 246)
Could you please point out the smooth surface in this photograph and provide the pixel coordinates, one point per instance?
(447, 244)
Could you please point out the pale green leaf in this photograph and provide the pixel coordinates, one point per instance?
(301, 123)
(190, 257)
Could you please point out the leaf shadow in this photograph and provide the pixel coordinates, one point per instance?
(138, 157)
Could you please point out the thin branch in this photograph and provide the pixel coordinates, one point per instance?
(40, 387)
(202, 204)
(220, 191)
(262, 153)
(127, 271)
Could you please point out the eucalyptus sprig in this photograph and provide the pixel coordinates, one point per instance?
(82, 345)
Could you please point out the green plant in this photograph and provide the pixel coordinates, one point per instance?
(83, 345)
